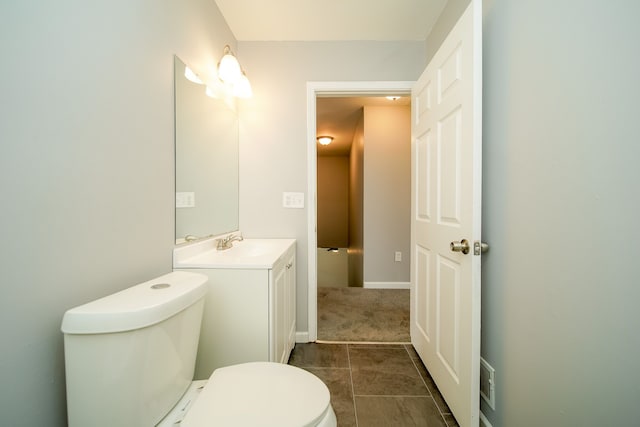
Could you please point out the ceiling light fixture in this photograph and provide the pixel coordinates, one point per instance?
(393, 98)
(325, 140)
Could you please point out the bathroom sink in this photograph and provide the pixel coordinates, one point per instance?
(248, 253)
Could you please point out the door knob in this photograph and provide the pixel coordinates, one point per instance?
(461, 246)
(480, 247)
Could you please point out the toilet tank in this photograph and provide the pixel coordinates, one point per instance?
(130, 356)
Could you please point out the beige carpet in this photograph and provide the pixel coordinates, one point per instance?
(363, 315)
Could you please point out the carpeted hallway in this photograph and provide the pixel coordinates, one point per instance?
(363, 315)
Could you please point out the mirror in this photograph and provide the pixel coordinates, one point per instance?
(206, 144)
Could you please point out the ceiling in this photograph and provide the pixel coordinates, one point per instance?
(338, 117)
(323, 20)
(333, 20)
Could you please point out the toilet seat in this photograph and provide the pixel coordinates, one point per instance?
(261, 394)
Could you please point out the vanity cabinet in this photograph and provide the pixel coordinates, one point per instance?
(249, 313)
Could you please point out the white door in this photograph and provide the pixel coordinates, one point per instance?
(446, 180)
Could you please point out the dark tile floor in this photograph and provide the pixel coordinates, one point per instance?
(375, 384)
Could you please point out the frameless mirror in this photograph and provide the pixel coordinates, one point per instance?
(206, 143)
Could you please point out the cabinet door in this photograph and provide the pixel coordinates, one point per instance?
(279, 316)
(291, 300)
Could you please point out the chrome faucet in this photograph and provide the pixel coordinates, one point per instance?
(225, 243)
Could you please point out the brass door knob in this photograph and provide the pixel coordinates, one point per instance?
(461, 246)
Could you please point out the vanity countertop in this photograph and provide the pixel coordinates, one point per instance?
(247, 254)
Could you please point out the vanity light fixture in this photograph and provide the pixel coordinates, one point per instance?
(191, 76)
(229, 70)
(231, 74)
(242, 88)
(325, 140)
(210, 93)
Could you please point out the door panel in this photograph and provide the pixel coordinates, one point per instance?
(449, 168)
(446, 180)
(448, 335)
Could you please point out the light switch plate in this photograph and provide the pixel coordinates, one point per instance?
(185, 199)
(293, 200)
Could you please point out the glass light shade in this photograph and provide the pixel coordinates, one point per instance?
(325, 140)
(191, 76)
(229, 69)
(210, 93)
(242, 88)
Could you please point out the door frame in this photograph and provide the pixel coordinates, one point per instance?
(315, 89)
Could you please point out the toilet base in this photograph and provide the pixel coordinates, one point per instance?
(329, 420)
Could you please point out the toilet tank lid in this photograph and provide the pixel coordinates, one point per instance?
(137, 307)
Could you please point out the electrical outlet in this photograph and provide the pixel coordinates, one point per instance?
(398, 256)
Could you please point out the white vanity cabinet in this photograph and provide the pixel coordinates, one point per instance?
(250, 310)
(282, 296)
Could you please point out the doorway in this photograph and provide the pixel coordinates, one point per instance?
(317, 90)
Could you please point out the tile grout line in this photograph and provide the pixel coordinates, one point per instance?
(394, 395)
(427, 387)
(353, 391)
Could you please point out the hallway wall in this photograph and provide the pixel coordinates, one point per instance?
(333, 201)
(356, 208)
(387, 194)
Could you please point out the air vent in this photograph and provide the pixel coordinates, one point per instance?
(488, 383)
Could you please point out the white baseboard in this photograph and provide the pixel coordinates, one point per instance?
(387, 285)
(484, 422)
(302, 337)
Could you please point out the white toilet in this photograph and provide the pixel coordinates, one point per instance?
(130, 358)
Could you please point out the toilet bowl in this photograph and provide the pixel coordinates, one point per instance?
(130, 358)
(261, 394)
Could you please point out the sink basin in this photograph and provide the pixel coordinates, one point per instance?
(249, 248)
(248, 253)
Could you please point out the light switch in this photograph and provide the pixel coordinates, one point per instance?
(185, 199)
(293, 200)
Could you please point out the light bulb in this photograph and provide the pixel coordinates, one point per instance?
(325, 140)
(228, 68)
(242, 88)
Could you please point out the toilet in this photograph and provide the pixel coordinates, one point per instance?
(130, 359)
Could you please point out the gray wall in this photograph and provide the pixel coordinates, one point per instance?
(86, 171)
(561, 207)
(273, 145)
(447, 19)
(387, 193)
